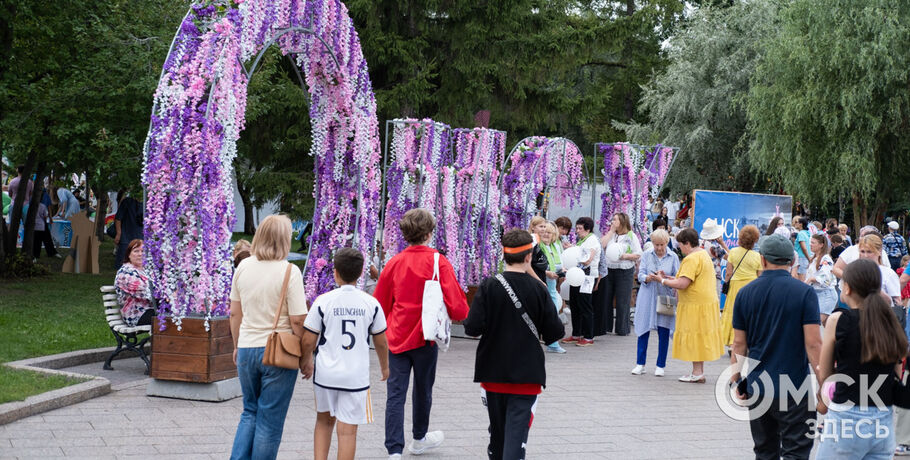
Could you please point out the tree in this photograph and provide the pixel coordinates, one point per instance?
(559, 67)
(697, 102)
(829, 105)
(75, 86)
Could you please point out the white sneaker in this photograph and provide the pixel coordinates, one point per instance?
(638, 370)
(659, 372)
(431, 440)
(395, 457)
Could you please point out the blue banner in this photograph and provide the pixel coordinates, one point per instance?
(735, 210)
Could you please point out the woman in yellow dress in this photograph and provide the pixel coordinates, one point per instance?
(743, 266)
(697, 337)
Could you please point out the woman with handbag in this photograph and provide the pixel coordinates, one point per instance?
(746, 265)
(267, 302)
(862, 345)
(400, 291)
(697, 336)
(647, 316)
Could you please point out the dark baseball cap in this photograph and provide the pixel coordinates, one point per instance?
(776, 249)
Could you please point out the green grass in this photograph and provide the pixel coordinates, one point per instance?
(52, 314)
(18, 384)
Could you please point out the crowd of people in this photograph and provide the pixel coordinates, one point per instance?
(60, 203)
(801, 301)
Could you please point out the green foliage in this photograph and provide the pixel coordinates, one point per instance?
(696, 103)
(542, 68)
(79, 85)
(273, 161)
(829, 104)
(18, 266)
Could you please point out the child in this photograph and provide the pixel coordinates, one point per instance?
(507, 312)
(905, 292)
(838, 245)
(342, 320)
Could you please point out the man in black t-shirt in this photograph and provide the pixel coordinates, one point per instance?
(511, 312)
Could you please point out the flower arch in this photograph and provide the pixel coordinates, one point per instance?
(197, 117)
(632, 173)
(536, 165)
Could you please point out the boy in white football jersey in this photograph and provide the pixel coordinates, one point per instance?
(342, 320)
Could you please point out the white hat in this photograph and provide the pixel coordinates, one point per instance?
(710, 230)
(893, 225)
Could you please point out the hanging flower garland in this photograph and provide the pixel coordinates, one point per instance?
(479, 154)
(418, 155)
(197, 117)
(536, 164)
(632, 174)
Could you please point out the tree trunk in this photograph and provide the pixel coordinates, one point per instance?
(101, 212)
(2, 246)
(15, 212)
(248, 226)
(28, 238)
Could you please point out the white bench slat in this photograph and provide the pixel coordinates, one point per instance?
(127, 330)
(113, 314)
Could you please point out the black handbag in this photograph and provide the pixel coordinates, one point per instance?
(725, 287)
(900, 392)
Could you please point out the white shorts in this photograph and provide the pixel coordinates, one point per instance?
(351, 407)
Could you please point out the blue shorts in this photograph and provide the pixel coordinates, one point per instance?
(803, 266)
(827, 300)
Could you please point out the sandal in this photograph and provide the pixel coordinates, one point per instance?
(693, 378)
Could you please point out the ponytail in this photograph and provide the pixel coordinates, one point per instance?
(883, 340)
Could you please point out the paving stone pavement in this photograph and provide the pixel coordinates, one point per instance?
(592, 408)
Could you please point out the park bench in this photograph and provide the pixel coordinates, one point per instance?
(128, 338)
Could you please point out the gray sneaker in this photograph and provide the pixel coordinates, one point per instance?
(431, 440)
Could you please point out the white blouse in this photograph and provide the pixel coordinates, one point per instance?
(629, 244)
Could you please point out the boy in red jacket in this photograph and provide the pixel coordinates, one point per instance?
(400, 292)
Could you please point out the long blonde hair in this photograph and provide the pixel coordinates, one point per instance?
(874, 243)
(272, 240)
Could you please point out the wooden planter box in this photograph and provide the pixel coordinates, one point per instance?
(193, 354)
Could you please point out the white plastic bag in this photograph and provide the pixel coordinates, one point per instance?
(436, 323)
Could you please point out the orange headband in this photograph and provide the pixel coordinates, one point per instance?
(517, 249)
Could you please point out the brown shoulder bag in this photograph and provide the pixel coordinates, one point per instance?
(283, 348)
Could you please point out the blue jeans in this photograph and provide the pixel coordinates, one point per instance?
(423, 361)
(852, 434)
(267, 393)
(663, 342)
